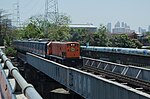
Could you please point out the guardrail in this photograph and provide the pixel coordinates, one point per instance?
(5, 87)
(27, 89)
(127, 70)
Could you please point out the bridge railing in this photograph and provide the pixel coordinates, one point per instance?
(128, 70)
(5, 87)
(27, 89)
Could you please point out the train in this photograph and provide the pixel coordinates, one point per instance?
(127, 56)
(130, 51)
(67, 53)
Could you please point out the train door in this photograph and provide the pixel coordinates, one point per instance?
(49, 48)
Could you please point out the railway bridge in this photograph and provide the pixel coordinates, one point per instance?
(97, 79)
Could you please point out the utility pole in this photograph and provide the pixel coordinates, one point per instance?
(3, 25)
(51, 13)
(1, 18)
(17, 14)
(1, 39)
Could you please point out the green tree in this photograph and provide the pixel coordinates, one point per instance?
(35, 28)
(63, 19)
(81, 35)
(124, 41)
(75, 34)
(60, 30)
(147, 33)
(59, 33)
(101, 37)
(138, 44)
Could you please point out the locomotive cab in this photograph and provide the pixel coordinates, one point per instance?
(73, 50)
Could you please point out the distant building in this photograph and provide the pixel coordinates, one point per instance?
(149, 28)
(122, 24)
(117, 24)
(144, 30)
(118, 30)
(7, 22)
(123, 28)
(109, 27)
(141, 30)
(88, 27)
(125, 25)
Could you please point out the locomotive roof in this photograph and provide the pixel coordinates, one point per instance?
(65, 42)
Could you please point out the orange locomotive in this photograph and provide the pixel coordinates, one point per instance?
(67, 53)
(64, 49)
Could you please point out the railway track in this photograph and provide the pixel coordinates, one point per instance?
(125, 80)
(133, 82)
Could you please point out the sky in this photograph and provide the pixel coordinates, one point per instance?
(136, 13)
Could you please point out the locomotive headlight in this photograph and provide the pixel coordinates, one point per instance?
(72, 49)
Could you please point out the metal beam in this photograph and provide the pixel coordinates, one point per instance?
(128, 70)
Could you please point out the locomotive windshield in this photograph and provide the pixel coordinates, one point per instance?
(72, 44)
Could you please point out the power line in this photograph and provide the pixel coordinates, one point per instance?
(51, 10)
(51, 13)
(33, 7)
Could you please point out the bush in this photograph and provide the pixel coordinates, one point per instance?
(9, 51)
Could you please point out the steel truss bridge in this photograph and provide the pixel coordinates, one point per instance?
(98, 82)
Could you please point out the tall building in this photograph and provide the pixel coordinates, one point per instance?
(149, 28)
(121, 28)
(122, 24)
(117, 24)
(125, 25)
(141, 30)
(109, 27)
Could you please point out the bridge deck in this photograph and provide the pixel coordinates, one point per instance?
(86, 84)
